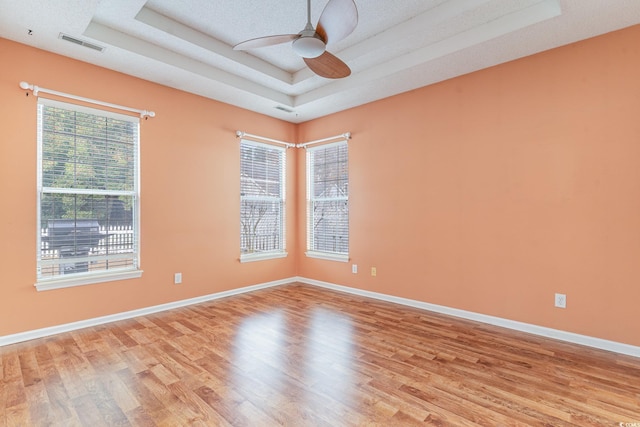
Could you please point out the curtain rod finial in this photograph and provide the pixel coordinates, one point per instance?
(25, 86)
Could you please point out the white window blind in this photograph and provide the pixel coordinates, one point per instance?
(262, 201)
(87, 193)
(328, 201)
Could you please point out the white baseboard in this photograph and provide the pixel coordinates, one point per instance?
(491, 320)
(45, 332)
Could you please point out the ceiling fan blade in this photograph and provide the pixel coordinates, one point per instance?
(328, 65)
(265, 41)
(339, 18)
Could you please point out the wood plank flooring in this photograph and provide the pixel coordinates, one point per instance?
(298, 355)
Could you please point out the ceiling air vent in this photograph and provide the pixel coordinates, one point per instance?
(77, 41)
(285, 109)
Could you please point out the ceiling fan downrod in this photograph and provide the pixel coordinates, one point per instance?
(309, 44)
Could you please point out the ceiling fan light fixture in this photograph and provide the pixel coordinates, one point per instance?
(309, 47)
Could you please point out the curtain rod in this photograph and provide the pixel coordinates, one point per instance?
(240, 134)
(346, 136)
(36, 89)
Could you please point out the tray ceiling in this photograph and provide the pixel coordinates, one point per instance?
(397, 46)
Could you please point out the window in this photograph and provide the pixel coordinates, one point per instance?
(262, 201)
(87, 195)
(328, 202)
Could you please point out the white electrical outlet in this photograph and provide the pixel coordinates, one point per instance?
(354, 268)
(561, 301)
(177, 278)
(374, 271)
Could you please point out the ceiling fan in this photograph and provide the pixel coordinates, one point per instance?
(338, 19)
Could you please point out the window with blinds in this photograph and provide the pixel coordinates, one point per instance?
(87, 194)
(328, 201)
(262, 201)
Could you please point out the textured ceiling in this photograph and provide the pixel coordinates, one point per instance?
(397, 46)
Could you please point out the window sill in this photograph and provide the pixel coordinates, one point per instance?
(261, 256)
(86, 279)
(328, 256)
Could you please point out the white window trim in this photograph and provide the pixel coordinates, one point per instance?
(329, 256)
(279, 253)
(80, 279)
(86, 279)
(261, 256)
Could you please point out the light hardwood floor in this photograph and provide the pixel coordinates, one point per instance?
(298, 355)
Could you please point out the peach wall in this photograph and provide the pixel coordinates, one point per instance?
(493, 191)
(489, 192)
(189, 194)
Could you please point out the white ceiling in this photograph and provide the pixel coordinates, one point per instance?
(397, 46)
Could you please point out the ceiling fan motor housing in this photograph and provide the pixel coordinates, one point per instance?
(309, 44)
